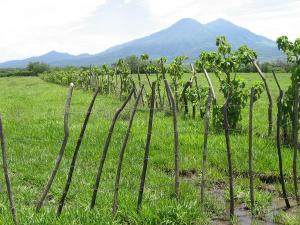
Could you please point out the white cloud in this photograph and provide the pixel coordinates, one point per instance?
(34, 27)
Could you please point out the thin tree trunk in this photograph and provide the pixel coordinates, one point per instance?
(228, 147)
(209, 83)
(147, 149)
(62, 149)
(122, 152)
(206, 127)
(105, 149)
(295, 139)
(176, 140)
(279, 117)
(269, 97)
(250, 162)
(75, 154)
(6, 173)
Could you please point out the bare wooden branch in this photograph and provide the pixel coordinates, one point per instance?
(209, 83)
(176, 140)
(269, 97)
(75, 154)
(206, 130)
(278, 143)
(6, 173)
(122, 152)
(250, 161)
(147, 149)
(62, 149)
(228, 147)
(105, 149)
(295, 138)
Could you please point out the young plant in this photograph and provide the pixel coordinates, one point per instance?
(292, 50)
(125, 77)
(225, 63)
(176, 71)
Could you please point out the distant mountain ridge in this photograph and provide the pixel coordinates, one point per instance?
(186, 37)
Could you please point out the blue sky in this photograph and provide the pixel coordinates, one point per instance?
(34, 27)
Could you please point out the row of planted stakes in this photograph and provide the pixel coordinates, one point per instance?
(138, 95)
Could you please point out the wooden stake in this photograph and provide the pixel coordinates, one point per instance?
(75, 154)
(183, 95)
(6, 173)
(163, 71)
(147, 149)
(122, 152)
(209, 84)
(62, 149)
(269, 97)
(279, 117)
(176, 140)
(295, 138)
(140, 85)
(105, 149)
(206, 127)
(228, 147)
(250, 162)
(276, 80)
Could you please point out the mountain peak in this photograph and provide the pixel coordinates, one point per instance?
(187, 22)
(220, 22)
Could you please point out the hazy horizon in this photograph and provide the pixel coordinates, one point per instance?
(32, 28)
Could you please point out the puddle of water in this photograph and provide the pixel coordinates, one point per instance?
(245, 218)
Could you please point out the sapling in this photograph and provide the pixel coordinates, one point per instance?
(225, 63)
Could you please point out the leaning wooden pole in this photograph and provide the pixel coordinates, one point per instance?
(206, 129)
(147, 149)
(105, 149)
(228, 147)
(250, 154)
(62, 149)
(75, 154)
(262, 76)
(278, 144)
(209, 84)
(176, 140)
(122, 152)
(6, 173)
(295, 139)
(276, 80)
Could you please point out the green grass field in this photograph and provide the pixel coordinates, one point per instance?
(32, 112)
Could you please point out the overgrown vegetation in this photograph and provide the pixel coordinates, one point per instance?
(292, 50)
(225, 64)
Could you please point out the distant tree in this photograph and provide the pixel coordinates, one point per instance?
(133, 63)
(37, 67)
